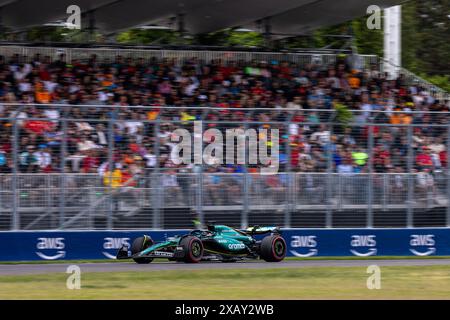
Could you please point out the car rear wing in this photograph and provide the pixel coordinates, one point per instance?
(262, 230)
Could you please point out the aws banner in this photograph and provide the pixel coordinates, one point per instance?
(78, 245)
(368, 242)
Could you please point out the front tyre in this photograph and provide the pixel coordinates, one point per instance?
(140, 244)
(193, 249)
(273, 248)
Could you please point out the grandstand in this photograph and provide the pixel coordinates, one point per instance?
(85, 132)
(66, 119)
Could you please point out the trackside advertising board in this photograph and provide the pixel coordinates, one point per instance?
(67, 245)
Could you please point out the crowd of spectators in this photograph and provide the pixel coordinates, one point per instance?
(253, 94)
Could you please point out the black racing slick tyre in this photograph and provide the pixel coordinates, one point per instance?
(273, 248)
(140, 244)
(193, 249)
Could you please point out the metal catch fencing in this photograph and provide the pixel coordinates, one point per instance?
(110, 167)
(82, 201)
(110, 54)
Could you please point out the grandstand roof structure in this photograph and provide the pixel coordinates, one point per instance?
(285, 17)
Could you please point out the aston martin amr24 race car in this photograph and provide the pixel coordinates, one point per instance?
(217, 242)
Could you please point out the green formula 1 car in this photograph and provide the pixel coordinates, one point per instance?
(217, 242)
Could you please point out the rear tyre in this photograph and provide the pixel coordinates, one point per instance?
(140, 244)
(273, 248)
(193, 249)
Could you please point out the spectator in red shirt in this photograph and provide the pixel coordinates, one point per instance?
(38, 126)
(423, 159)
(443, 158)
(91, 162)
(382, 158)
(127, 177)
(258, 89)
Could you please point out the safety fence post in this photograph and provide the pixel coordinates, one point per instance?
(156, 180)
(330, 176)
(410, 175)
(15, 222)
(369, 220)
(448, 175)
(63, 182)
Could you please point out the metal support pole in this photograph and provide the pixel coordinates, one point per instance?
(199, 206)
(92, 25)
(181, 28)
(245, 208)
(410, 175)
(340, 192)
(448, 175)
(290, 183)
(156, 183)
(63, 181)
(329, 191)
(109, 220)
(385, 191)
(369, 221)
(245, 203)
(267, 32)
(15, 222)
(392, 40)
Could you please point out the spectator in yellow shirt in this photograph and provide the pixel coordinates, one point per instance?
(113, 179)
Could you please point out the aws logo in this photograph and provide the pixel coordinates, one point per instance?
(114, 243)
(424, 241)
(366, 242)
(50, 245)
(308, 242)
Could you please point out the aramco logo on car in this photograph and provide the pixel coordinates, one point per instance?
(309, 242)
(114, 243)
(50, 248)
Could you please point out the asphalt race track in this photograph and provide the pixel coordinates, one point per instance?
(24, 269)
